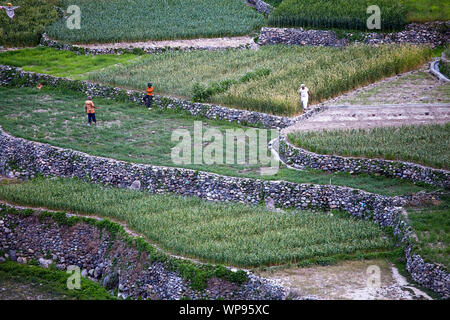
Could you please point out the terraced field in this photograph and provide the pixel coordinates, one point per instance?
(351, 14)
(425, 144)
(128, 132)
(110, 21)
(234, 234)
(291, 246)
(268, 79)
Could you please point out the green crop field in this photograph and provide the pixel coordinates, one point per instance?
(274, 3)
(425, 144)
(234, 234)
(29, 22)
(115, 21)
(427, 10)
(25, 281)
(345, 14)
(276, 73)
(352, 15)
(432, 226)
(129, 132)
(60, 63)
(265, 80)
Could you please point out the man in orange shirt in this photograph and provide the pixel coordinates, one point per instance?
(148, 99)
(89, 107)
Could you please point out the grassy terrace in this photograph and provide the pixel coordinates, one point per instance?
(265, 80)
(233, 234)
(28, 281)
(129, 132)
(427, 10)
(351, 14)
(328, 72)
(432, 226)
(61, 63)
(346, 14)
(425, 144)
(115, 21)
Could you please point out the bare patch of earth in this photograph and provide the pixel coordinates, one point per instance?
(414, 87)
(347, 280)
(12, 290)
(366, 117)
(4, 49)
(212, 43)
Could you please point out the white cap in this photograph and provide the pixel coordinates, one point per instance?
(303, 85)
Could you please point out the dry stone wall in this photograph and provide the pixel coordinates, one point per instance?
(11, 76)
(300, 159)
(430, 33)
(111, 259)
(23, 158)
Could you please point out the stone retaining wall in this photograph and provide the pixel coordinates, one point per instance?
(300, 36)
(430, 33)
(11, 76)
(300, 159)
(23, 158)
(111, 260)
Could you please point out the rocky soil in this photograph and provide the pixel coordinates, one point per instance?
(347, 281)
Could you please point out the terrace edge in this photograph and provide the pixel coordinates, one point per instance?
(26, 159)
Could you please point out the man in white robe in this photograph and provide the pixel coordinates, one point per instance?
(9, 10)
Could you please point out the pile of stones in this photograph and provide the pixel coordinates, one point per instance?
(300, 36)
(431, 33)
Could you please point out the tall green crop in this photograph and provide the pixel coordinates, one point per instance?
(345, 14)
(137, 20)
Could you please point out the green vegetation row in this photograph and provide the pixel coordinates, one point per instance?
(29, 22)
(432, 227)
(328, 72)
(444, 68)
(427, 10)
(344, 14)
(51, 281)
(351, 14)
(202, 94)
(116, 21)
(61, 63)
(229, 233)
(273, 3)
(424, 144)
(196, 274)
(131, 133)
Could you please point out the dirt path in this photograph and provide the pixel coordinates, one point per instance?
(414, 87)
(347, 281)
(202, 43)
(11, 289)
(415, 97)
(364, 117)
